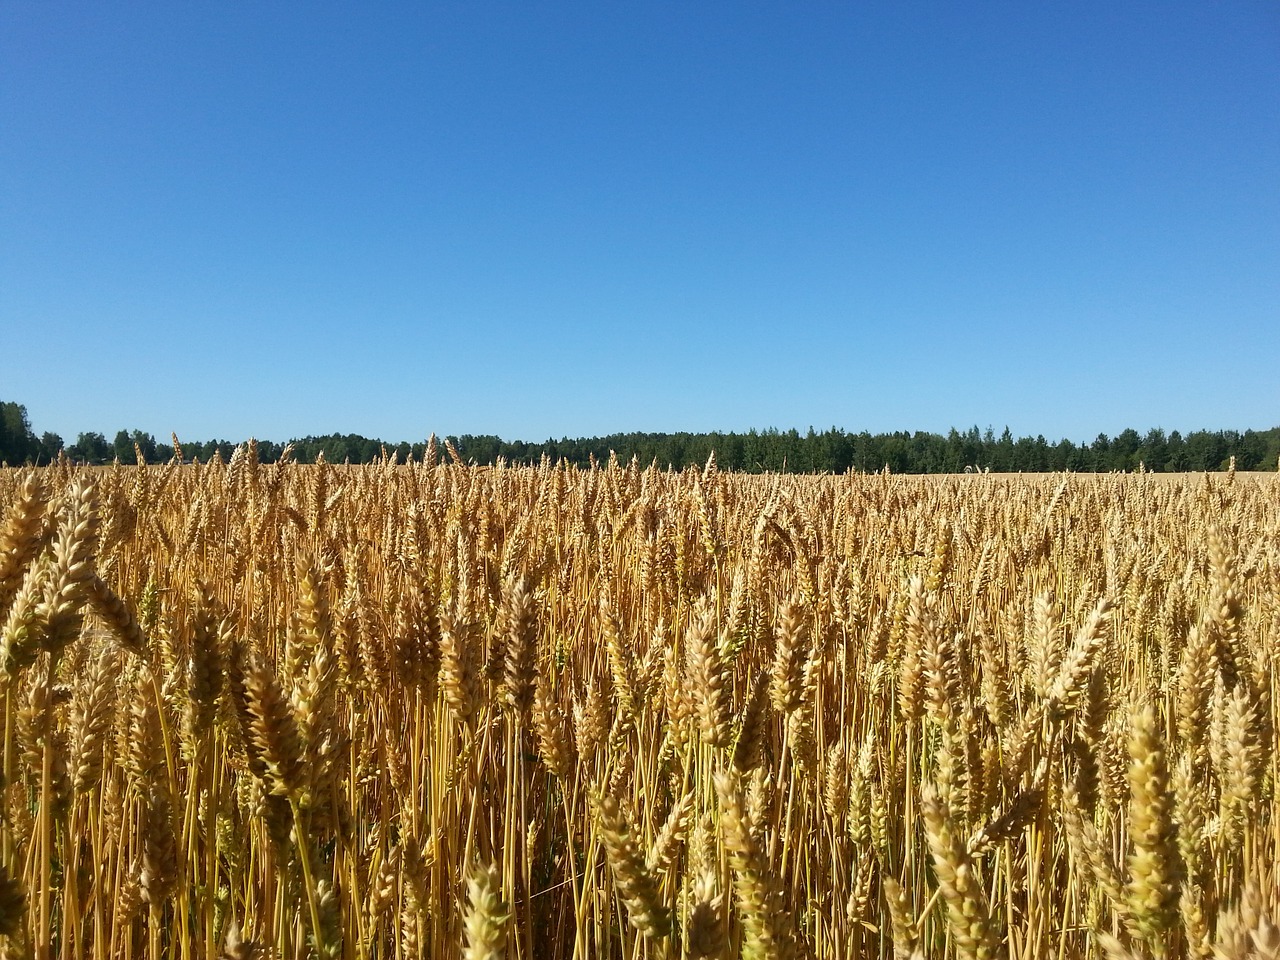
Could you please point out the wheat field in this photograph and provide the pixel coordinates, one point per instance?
(441, 710)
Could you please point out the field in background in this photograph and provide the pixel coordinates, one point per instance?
(440, 710)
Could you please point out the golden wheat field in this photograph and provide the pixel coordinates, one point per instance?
(439, 710)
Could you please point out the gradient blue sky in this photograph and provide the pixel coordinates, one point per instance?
(548, 219)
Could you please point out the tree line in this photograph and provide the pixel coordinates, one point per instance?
(833, 450)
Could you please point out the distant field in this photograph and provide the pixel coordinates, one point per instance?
(438, 710)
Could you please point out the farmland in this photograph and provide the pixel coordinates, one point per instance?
(435, 710)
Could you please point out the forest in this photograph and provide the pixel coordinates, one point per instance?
(756, 451)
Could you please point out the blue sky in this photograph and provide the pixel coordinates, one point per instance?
(556, 219)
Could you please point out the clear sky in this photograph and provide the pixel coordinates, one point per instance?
(575, 218)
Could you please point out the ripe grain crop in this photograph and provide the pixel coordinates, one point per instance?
(441, 710)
